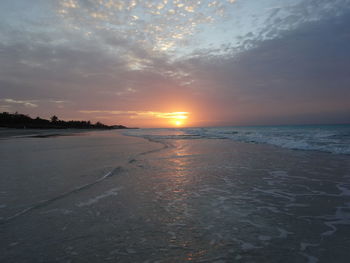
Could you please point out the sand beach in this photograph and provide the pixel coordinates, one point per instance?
(106, 197)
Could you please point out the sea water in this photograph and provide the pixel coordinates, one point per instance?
(325, 138)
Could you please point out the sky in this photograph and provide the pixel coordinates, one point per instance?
(168, 63)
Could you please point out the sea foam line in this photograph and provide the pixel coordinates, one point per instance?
(46, 202)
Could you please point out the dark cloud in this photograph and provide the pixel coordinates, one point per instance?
(303, 71)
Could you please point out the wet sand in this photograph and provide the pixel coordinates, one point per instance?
(104, 197)
(8, 133)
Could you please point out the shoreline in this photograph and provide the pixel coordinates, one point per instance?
(13, 133)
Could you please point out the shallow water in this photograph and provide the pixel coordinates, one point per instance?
(179, 200)
(251, 203)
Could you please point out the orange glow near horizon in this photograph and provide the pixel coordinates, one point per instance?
(178, 118)
(150, 118)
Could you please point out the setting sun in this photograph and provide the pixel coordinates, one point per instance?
(178, 118)
(178, 123)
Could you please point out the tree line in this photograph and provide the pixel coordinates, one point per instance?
(22, 121)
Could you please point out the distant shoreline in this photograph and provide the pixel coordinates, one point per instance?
(21, 121)
(13, 133)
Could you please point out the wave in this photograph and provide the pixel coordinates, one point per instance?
(332, 139)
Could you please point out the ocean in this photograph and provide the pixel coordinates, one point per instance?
(324, 138)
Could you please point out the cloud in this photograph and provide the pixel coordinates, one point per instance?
(274, 62)
(302, 72)
(5, 108)
(26, 103)
(144, 115)
(158, 25)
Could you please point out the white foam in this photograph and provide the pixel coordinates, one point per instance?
(248, 246)
(111, 192)
(276, 193)
(310, 258)
(305, 245)
(278, 173)
(56, 210)
(333, 139)
(344, 190)
(284, 233)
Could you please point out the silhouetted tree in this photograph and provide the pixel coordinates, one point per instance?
(54, 118)
(16, 120)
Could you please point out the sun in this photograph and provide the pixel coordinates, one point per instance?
(178, 123)
(177, 118)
